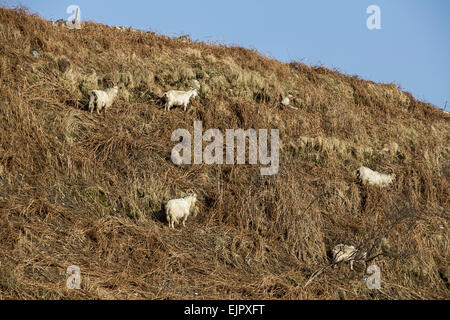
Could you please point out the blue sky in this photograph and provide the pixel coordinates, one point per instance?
(412, 49)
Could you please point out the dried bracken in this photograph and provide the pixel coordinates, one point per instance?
(78, 189)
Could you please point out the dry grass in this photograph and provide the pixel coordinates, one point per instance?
(88, 190)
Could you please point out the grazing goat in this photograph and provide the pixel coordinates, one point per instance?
(179, 98)
(344, 253)
(180, 209)
(102, 99)
(366, 175)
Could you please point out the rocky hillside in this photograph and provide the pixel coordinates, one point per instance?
(89, 190)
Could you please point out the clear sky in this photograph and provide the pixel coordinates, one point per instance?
(412, 48)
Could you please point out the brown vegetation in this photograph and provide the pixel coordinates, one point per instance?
(88, 190)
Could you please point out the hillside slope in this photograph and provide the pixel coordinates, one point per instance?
(87, 190)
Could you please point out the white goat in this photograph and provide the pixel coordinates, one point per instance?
(102, 99)
(179, 98)
(180, 209)
(344, 253)
(366, 175)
